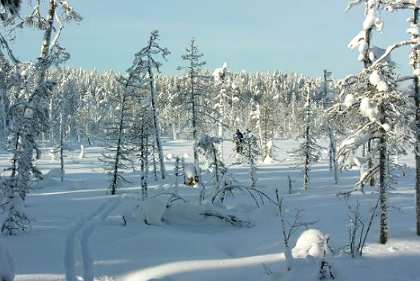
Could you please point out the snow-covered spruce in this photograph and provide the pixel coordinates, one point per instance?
(309, 151)
(383, 117)
(196, 95)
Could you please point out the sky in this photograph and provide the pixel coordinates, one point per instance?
(302, 36)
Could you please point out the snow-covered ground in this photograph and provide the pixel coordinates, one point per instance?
(78, 229)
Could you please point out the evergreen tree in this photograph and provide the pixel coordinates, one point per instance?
(146, 62)
(196, 82)
(309, 151)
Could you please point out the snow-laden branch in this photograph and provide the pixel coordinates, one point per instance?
(405, 78)
(352, 4)
(391, 48)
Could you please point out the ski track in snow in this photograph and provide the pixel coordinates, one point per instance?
(86, 226)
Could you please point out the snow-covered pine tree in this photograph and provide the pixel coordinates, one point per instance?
(250, 152)
(197, 84)
(171, 102)
(382, 103)
(329, 125)
(146, 61)
(367, 52)
(374, 93)
(208, 147)
(414, 31)
(220, 76)
(123, 134)
(309, 151)
(118, 150)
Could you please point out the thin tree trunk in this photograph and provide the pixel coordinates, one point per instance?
(3, 112)
(216, 166)
(114, 182)
(333, 154)
(61, 147)
(416, 66)
(154, 162)
(156, 122)
(383, 182)
(306, 164)
(144, 166)
(177, 161)
(417, 152)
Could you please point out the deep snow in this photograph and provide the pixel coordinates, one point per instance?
(78, 229)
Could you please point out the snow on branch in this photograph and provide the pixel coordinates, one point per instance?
(391, 48)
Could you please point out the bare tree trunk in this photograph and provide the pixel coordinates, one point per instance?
(216, 167)
(252, 168)
(383, 182)
(61, 147)
(194, 122)
(114, 181)
(290, 184)
(156, 123)
(154, 162)
(333, 154)
(48, 32)
(417, 152)
(3, 113)
(50, 117)
(306, 164)
(144, 164)
(176, 173)
(416, 66)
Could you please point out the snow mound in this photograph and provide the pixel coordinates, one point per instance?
(190, 214)
(310, 243)
(7, 266)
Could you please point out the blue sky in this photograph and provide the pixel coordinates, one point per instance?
(304, 36)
